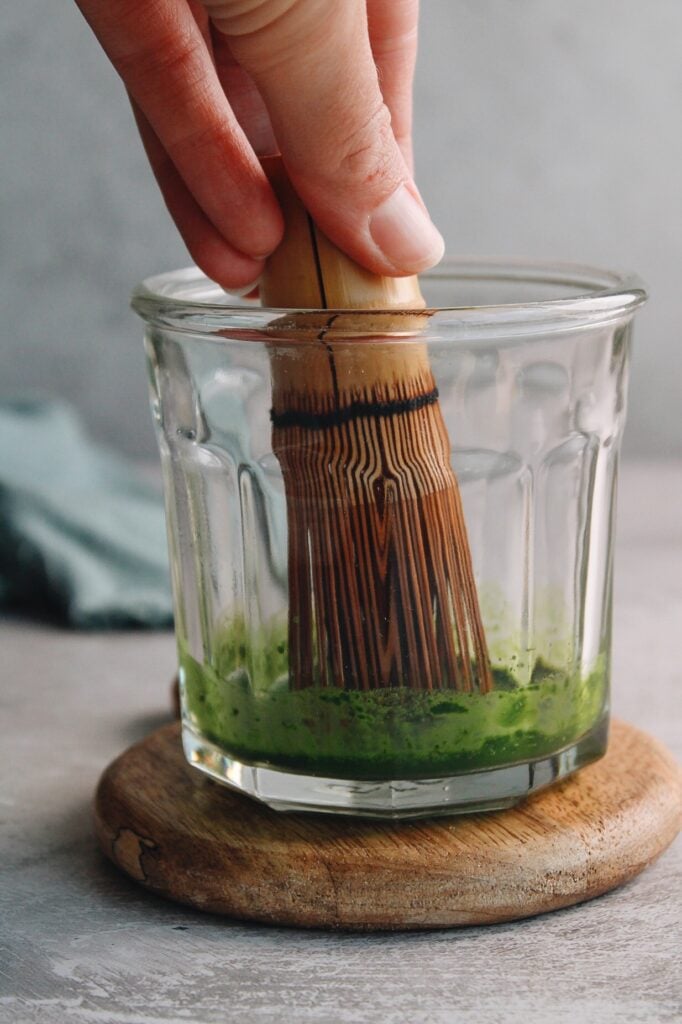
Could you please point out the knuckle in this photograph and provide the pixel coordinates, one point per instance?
(247, 17)
(160, 61)
(367, 153)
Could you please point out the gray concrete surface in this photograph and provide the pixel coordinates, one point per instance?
(544, 129)
(81, 943)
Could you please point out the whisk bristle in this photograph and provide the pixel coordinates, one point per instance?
(381, 584)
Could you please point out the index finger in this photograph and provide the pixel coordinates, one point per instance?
(159, 51)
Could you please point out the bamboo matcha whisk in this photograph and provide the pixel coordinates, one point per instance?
(381, 586)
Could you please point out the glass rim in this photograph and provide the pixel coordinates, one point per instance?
(188, 301)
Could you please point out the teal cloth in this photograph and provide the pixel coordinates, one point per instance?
(82, 534)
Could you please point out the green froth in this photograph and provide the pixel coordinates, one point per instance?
(243, 703)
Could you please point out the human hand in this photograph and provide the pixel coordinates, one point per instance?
(213, 84)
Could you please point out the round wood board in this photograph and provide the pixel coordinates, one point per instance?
(191, 840)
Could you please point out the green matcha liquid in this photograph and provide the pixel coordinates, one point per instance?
(242, 703)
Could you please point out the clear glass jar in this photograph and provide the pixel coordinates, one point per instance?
(531, 367)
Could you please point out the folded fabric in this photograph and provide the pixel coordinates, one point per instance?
(82, 533)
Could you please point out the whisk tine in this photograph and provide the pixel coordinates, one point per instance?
(377, 546)
(381, 584)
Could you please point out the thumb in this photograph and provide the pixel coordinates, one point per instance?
(313, 65)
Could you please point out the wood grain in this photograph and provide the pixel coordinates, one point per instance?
(190, 840)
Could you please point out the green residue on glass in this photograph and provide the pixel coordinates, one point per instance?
(243, 703)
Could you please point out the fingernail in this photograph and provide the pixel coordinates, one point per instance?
(405, 233)
(244, 290)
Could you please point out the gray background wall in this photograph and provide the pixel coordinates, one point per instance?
(544, 128)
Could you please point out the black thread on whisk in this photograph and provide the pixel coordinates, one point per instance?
(352, 411)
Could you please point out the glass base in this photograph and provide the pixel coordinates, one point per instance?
(488, 790)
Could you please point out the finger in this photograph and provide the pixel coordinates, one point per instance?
(217, 258)
(393, 28)
(159, 51)
(313, 66)
(243, 96)
(198, 12)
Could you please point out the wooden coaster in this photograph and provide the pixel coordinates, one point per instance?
(191, 840)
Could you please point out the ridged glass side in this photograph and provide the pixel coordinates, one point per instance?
(534, 428)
